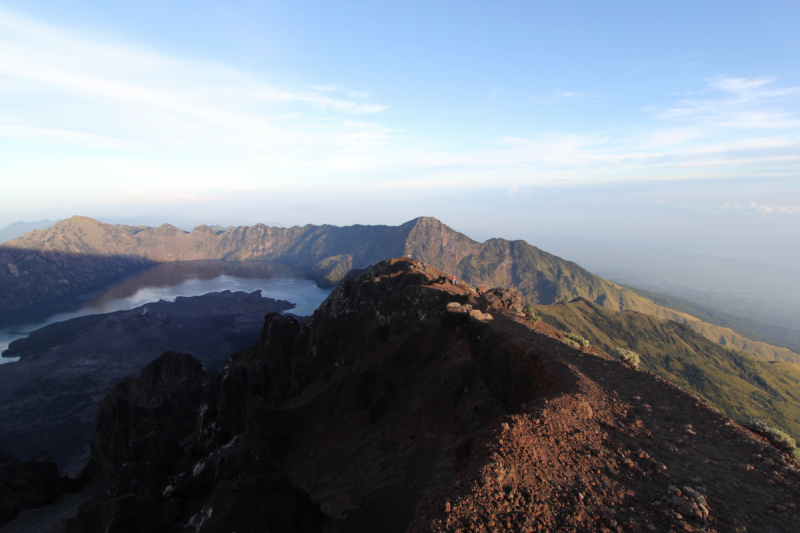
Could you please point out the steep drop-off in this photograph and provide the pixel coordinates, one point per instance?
(49, 398)
(410, 404)
(740, 384)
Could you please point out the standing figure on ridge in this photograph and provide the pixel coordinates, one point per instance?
(453, 279)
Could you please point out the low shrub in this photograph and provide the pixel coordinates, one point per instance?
(628, 357)
(529, 312)
(776, 437)
(571, 343)
(580, 340)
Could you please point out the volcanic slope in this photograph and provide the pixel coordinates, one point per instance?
(740, 384)
(410, 404)
(80, 253)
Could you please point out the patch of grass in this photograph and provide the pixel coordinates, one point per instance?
(531, 314)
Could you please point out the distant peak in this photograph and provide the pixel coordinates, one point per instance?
(427, 220)
(79, 219)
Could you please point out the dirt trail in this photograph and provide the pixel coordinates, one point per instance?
(611, 449)
(411, 404)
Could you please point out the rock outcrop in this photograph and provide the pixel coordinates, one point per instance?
(49, 398)
(503, 298)
(28, 485)
(397, 409)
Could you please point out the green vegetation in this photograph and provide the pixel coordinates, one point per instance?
(628, 357)
(740, 385)
(571, 343)
(778, 438)
(583, 343)
(749, 327)
(531, 314)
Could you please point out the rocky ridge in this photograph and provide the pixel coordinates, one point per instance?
(79, 253)
(410, 404)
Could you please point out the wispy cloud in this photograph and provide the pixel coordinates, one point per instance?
(742, 103)
(59, 88)
(102, 112)
(775, 209)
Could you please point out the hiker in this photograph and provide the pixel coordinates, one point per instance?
(453, 279)
(483, 289)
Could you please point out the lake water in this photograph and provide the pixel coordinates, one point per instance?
(165, 282)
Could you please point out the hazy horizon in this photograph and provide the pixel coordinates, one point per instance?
(665, 125)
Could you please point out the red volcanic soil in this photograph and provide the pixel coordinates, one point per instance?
(410, 404)
(581, 443)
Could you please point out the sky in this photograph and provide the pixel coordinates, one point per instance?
(669, 123)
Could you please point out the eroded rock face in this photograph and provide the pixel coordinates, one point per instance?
(144, 420)
(502, 298)
(398, 408)
(381, 362)
(170, 442)
(28, 485)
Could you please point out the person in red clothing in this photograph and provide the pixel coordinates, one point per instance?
(483, 289)
(453, 279)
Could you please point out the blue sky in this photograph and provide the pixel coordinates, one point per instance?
(671, 122)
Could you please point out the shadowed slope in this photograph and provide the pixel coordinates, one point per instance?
(58, 261)
(401, 408)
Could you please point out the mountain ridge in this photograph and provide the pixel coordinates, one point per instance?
(325, 253)
(409, 404)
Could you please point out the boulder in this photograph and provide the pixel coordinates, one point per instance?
(503, 298)
(144, 420)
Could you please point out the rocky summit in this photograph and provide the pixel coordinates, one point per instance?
(411, 404)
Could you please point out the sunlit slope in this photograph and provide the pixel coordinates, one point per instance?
(741, 385)
(80, 253)
(545, 279)
(304, 246)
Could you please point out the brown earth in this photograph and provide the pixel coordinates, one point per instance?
(580, 442)
(410, 404)
(600, 450)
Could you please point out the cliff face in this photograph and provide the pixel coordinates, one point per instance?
(410, 404)
(49, 398)
(79, 253)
